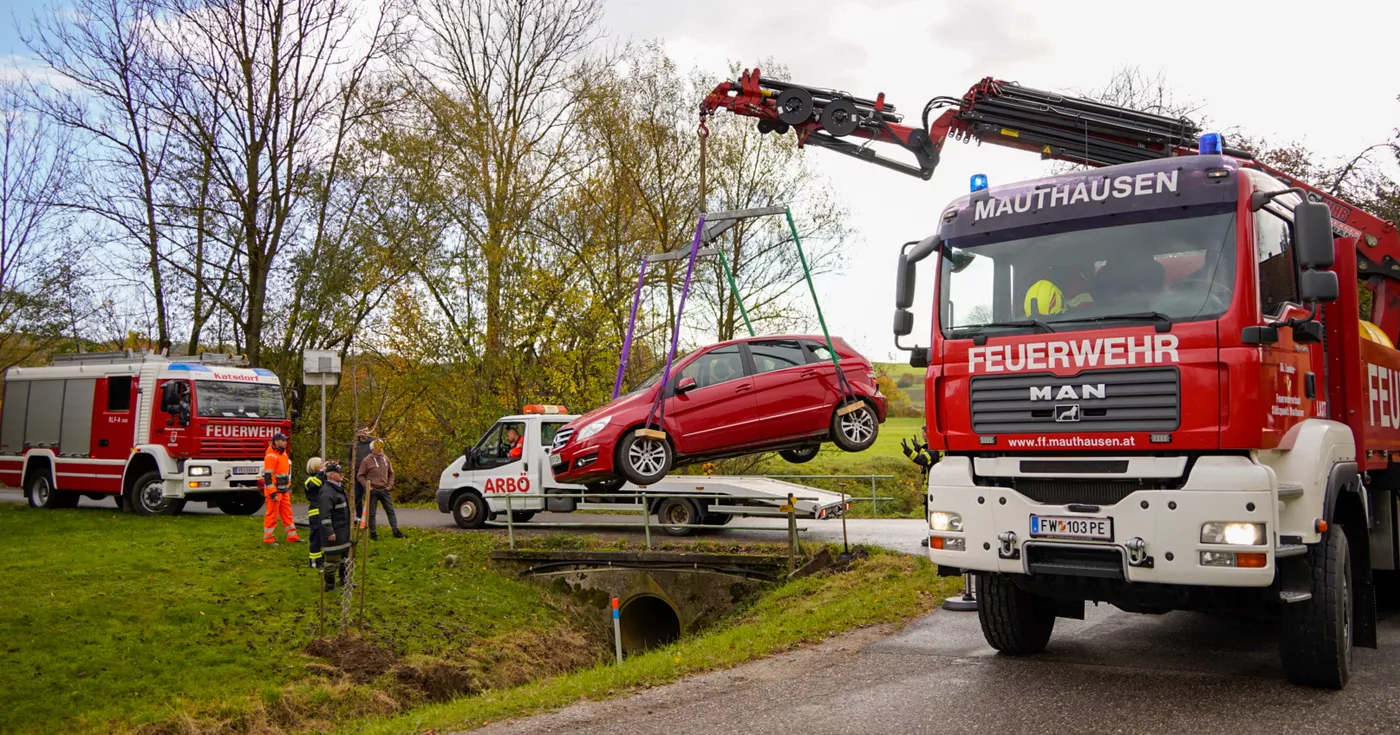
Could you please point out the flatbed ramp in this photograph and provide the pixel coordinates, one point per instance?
(733, 495)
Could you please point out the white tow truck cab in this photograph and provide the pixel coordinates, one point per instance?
(512, 460)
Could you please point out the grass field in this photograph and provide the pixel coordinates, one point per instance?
(114, 618)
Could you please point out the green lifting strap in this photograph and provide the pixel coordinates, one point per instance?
(807, 273)
(724, 263)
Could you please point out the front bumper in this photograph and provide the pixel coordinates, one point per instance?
(585, 461)
(1167, 523)
(224, 476)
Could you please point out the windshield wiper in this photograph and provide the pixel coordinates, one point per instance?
(1038, 324)
(1135, 316)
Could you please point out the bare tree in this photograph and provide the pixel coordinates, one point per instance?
(106, 53)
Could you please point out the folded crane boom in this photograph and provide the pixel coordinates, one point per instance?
(1056, 126)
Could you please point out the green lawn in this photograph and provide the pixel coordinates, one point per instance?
(110, 618)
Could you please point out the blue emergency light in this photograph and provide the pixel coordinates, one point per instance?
(979, 182)
(1211, 144)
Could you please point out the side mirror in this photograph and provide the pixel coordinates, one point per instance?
(919, 357)
(170, 397)
(1317, 286)
(1312, 236)
(904, 282)
(295, 413)
(686, 385)
(903, 322)
(470, 454)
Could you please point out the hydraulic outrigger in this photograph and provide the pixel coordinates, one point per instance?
(1055, 126)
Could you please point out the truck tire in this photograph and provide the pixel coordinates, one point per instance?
(1315, 636)
(147, 496)
(855, 431)
(1012, 621)
(40, 492)
(244, 504)
(677, 511)
(643, 460)
(800, 454)
(469, 510)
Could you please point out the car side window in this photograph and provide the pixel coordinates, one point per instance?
(547, 432)
(817, 352)
(1273, 247)
(776, 354)
(716, 366)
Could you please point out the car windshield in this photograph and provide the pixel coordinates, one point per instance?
(227, 399)
(1175, 270)
(656, 376)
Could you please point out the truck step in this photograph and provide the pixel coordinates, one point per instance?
(1289, 490)
(1288, 550)
(1292, 596)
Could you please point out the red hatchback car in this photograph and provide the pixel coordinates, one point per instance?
(739, 397)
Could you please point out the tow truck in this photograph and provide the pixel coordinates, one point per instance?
(1151, 379)
(475, 486)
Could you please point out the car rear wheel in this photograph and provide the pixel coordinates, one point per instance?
(856, 430)
(643, 460)
(800, 454)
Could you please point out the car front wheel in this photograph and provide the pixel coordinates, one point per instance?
(643, 460)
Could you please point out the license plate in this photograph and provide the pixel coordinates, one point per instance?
(245, 470)
(556, 459)
(1075, 527)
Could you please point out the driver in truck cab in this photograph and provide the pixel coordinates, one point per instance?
(1047, 295)
(513, 444)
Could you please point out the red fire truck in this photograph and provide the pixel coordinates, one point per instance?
(1153, 380)
(151, 432)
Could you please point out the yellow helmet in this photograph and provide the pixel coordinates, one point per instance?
(1046, 297)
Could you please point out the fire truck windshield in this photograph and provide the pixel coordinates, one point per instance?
(227, 399)
(1086, 276)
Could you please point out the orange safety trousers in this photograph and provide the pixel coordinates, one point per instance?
(279, 505)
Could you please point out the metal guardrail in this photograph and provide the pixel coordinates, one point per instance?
(644, 507)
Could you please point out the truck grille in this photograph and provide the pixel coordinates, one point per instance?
(560, 439)
(1087, 491)
(1095, 401)
(248, 447)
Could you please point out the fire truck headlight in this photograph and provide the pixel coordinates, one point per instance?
(1235, 534)
(593, 428)
(943, 521)
(200, 470)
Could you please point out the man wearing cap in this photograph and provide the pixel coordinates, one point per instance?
(276, 482)
(333, 519)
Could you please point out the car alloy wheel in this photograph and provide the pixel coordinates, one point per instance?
(858, 427)
(647, 456)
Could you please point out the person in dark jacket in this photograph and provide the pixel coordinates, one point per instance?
(335, 525)
(925, 458)
(315, 478)
(359, 449)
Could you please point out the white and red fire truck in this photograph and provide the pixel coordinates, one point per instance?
(149, 431)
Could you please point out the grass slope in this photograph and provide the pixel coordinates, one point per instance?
(112, 618)
(886, 588)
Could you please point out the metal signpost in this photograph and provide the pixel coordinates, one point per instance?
(321, 367)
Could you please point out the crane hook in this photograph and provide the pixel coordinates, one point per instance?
(704, 130)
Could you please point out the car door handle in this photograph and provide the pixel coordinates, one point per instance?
(743, 388)
(809, 373)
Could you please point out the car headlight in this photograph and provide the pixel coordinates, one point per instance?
(199, 471)
(944, 521)
(1235, 534)
(593, 428)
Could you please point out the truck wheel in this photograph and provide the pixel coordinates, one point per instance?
(244, 504)
(643, 460)
(1315, 636)
(469, 510)
(41, 493)
(1012, 621)
(800, 454)
(148, 496)
(677, 511)
(855, 431)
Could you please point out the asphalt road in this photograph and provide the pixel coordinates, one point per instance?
(1111, 673)
(899, 534)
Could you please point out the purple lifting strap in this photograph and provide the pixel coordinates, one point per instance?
(657, 412)
(631, 326)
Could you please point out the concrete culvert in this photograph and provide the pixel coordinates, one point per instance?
(648, 621)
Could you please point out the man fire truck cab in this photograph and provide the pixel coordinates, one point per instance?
(150, 431)
(1213, 425)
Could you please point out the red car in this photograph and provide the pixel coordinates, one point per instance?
(739, 397)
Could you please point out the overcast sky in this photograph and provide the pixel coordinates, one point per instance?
(1288, 71)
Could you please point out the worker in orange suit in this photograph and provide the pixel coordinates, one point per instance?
(277, 491)
(513, 442)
